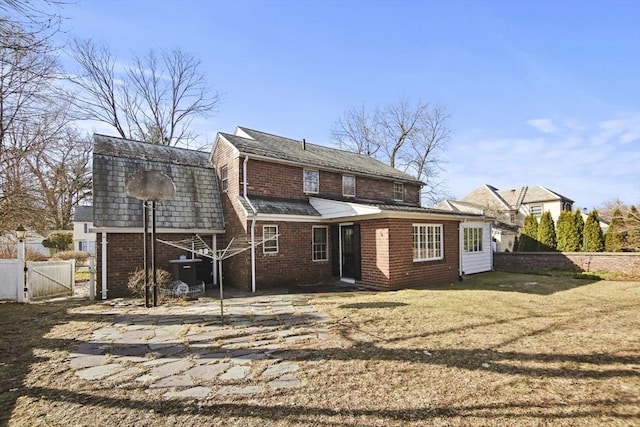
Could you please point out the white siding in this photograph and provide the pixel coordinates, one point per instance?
(477, 262)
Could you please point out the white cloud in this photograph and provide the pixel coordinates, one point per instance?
(543, 125)
(624, 130)
(587, 163)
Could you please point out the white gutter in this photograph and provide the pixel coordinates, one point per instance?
(253, 223)
(104, 266)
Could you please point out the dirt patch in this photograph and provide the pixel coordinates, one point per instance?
(475, 353)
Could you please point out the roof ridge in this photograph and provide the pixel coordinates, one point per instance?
(494, 191)
(307, 143)
(148, 143)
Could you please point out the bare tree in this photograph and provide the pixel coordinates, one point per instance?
(26, 78)
(63, 175)
(41, 20)
(356, 131)
(407, 136)
(155, 99)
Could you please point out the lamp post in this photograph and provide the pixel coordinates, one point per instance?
(21, 234)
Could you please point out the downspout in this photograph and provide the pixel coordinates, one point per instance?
(253, 224)
(460, 249)
(104, 266)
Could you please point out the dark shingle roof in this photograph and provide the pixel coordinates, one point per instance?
(83, 213)
(272, 205)
(280, 148)
(197, 204)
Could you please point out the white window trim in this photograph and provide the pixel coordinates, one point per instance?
(304, 181)
(471, 245)
(224, 178)
(264, 247)
(354, 186)
(313, 243)
(401, 199)
(441, 242)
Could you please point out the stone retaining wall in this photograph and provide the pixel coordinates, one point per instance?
(627, 264)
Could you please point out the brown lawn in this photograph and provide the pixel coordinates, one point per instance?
(497, 349)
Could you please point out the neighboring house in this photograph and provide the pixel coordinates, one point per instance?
(84, 239)
(117, 218)
(326, 213)
(33, 243)
(509, 208)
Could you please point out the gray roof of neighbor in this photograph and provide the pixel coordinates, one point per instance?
(197, 204)
(83, 214)
(489, 196)
(280, 148)
(272, 205)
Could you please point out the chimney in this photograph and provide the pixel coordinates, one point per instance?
(304, 144)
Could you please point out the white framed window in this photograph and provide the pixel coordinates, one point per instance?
(320, 243)
(224, 178)
(473, 239)
(427, 242)
(311, 180)
(270, 239)
(398, 191)
(536, 210)
(349, 185)
(85, 228)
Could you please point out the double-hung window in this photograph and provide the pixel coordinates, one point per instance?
(320, 243)
(270, 239)
(224, 178)
(311, 180)
(348, 185)
(473, 239)
(427, 242)
(398, 191)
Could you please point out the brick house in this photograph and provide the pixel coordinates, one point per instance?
(335, 214)
(322, 213)
(117, 218)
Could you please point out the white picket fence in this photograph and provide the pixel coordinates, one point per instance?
(45, 279)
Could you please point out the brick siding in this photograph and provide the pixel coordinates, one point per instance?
(387, 255)
(286, 181)
(125, 255)
(625, 263)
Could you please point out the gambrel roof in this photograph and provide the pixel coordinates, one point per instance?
(277, 148)
(197, 203)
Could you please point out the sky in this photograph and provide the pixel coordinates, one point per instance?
(539, 92)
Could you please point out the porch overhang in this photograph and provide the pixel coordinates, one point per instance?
(339, 211)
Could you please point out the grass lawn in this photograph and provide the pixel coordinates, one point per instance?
(496, 349)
